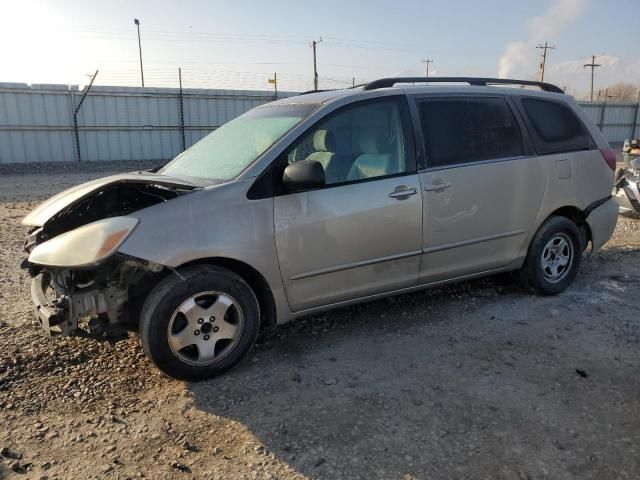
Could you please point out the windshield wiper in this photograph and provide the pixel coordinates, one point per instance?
(157, 167)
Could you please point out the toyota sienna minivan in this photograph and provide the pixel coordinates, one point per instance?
(322, 200)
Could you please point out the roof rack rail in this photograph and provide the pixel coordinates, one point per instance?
(316, 91)
(390, 82)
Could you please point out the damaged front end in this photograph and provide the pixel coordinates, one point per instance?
(80, 283)
(102, 296)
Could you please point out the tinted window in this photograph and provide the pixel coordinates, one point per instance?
(460, 130)
(360, 142)
(556, 127)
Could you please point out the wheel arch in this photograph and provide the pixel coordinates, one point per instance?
(577, 216)
(257, 282)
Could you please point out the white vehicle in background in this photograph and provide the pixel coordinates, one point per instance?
(627, 193)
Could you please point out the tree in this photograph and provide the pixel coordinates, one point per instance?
(623, 91)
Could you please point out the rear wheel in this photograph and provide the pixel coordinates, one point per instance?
(554, 257)
(200, 323)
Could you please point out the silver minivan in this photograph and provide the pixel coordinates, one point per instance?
(323, 200)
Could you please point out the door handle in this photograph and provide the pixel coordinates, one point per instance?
(402, 192)
(436, 186)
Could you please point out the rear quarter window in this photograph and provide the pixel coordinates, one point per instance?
(555, 127)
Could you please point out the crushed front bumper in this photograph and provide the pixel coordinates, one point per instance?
(51, 314)
(62, 314)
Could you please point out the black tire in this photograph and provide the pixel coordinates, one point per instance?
(166, 297)
(538, 279)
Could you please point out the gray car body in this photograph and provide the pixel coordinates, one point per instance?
(316, 251)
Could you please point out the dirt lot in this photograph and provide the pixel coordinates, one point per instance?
(473, 381)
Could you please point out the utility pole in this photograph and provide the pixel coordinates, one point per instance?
(137, 22)
(353, 81)
(544, 48)
(604, 105)
(593, 66)
(427, 61)
(274, 81)
(315, 64)
(635, 117)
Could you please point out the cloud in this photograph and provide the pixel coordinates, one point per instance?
(519, 58)
(576, 78)
(410, 72)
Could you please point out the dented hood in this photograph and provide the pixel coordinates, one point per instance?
(43, 212)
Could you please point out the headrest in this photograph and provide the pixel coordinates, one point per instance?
(324, 141)
(374, 141)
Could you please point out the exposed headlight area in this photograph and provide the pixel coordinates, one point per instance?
(79, 276)
(84, 246)
(95, 299)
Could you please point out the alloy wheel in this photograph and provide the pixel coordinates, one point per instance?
(205, 328)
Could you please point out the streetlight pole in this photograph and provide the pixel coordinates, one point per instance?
(137, 22)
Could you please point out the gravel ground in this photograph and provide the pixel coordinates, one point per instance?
(473, 381)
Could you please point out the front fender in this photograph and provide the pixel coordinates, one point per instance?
(218, 221)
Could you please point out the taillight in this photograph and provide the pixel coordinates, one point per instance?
(609, 157)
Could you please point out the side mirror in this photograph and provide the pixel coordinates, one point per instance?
(303, 175)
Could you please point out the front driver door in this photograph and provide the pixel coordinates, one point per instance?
(361, 234)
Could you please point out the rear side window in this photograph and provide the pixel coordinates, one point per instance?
(556, 128)
(463, 130)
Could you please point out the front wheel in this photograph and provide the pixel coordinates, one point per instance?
(553, 258)
(200, 323)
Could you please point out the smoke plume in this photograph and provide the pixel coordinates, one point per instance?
(519, 58)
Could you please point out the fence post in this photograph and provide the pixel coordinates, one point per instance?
(635, 118)
(181, 110)
(76, 129)
(604, 106)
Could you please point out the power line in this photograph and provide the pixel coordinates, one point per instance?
(113, 33)
(544, 48)
(158, 74)
(156, 35)
(384, 68)
(124, 34)
(214, 78)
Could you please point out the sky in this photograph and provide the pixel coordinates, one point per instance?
(239, 44)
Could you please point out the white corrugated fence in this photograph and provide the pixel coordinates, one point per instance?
(130, 123)
(113, 123)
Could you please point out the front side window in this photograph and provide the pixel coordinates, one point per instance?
(360, 142)
(462, 130)
(225, 152)
(556, 127)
